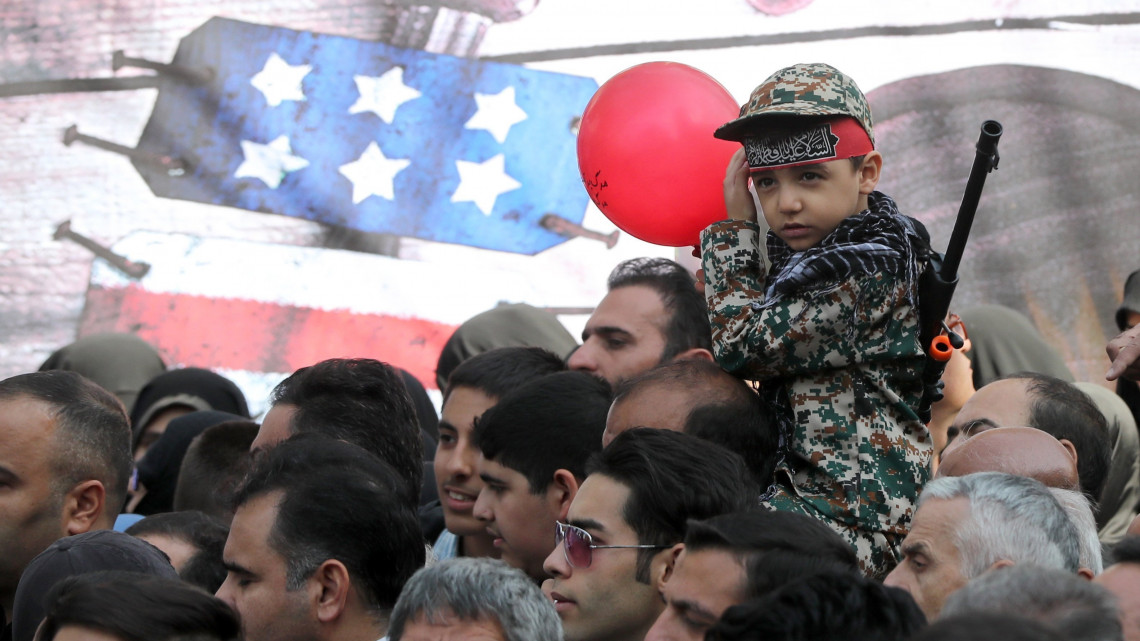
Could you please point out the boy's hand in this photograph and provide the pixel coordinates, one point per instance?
(737, 198)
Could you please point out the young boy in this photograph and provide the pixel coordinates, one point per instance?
(831, 330)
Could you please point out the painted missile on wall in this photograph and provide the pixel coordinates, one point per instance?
(368, 136)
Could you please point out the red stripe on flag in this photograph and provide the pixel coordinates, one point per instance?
(262, 337)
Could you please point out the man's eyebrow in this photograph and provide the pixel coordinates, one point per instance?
(445, 425)
(587, 524)
(487, 478)
(685, 605)
(608, 330)
(918, 547)
(235, 568)
(969, 425)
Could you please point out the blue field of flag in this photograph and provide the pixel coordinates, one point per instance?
(370, 136)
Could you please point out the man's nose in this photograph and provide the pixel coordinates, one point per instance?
(583, 359)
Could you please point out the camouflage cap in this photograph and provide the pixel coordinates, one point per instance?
(813, 89)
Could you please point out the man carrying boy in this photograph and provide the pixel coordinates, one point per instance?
(831, 328)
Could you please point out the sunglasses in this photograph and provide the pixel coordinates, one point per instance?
(578, 546)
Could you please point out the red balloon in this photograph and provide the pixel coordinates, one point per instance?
(647, 154)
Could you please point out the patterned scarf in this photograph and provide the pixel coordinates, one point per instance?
(877, 240)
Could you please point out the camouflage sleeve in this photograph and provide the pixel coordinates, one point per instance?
(734, 279)
(802, 334)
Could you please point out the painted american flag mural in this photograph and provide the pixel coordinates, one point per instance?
(369, 136)
(255, 312)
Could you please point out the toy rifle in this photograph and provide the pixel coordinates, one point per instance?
(936, 287)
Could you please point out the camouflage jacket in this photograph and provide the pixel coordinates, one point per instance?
(841, 366)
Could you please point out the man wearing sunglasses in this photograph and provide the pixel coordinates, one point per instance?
(623, 531)
(534, 445)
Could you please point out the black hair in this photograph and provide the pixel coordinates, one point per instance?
(774, 547)
(842, 605)
(361, 401)
(500, 371)
(724, 410)
(552, 423)
(688, 324)
(672, 477)
(1060, 408)
(137, 607)
(338, 502)
(92, 437)
(214, 465)
(987, 626)
(206, 533)
(1127, 550)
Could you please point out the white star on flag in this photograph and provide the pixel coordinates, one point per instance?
(279, 81)
(373, 174)
(483, 182)
(269, 163)
(496, 113)
(383, 95)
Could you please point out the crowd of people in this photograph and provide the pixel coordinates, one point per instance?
(747, 453)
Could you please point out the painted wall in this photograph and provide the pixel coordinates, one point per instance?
(1055, 237)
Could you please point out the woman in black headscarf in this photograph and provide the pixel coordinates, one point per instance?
(179, 392)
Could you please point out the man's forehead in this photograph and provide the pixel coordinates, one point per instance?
(627, 308)
(500, 472)
(1006, 403)
(26, 425)
(936, 521)
(600, 504)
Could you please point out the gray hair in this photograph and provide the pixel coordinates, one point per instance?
(474, 589)
(1012, 518)
(1080, 511)
(1078, 609)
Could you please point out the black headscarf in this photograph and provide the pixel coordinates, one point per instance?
(199, 389)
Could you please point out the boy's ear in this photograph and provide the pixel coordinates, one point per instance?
(869, 172)
(562, 491)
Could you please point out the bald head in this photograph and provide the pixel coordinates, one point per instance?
(1024, 451)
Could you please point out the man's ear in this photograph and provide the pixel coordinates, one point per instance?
(997, 565)
(562, 491)
(1070, 448)
(869, 172)
(662, 566)
(83, 507)
(695, 354)
(670, 557)
(331, 586)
